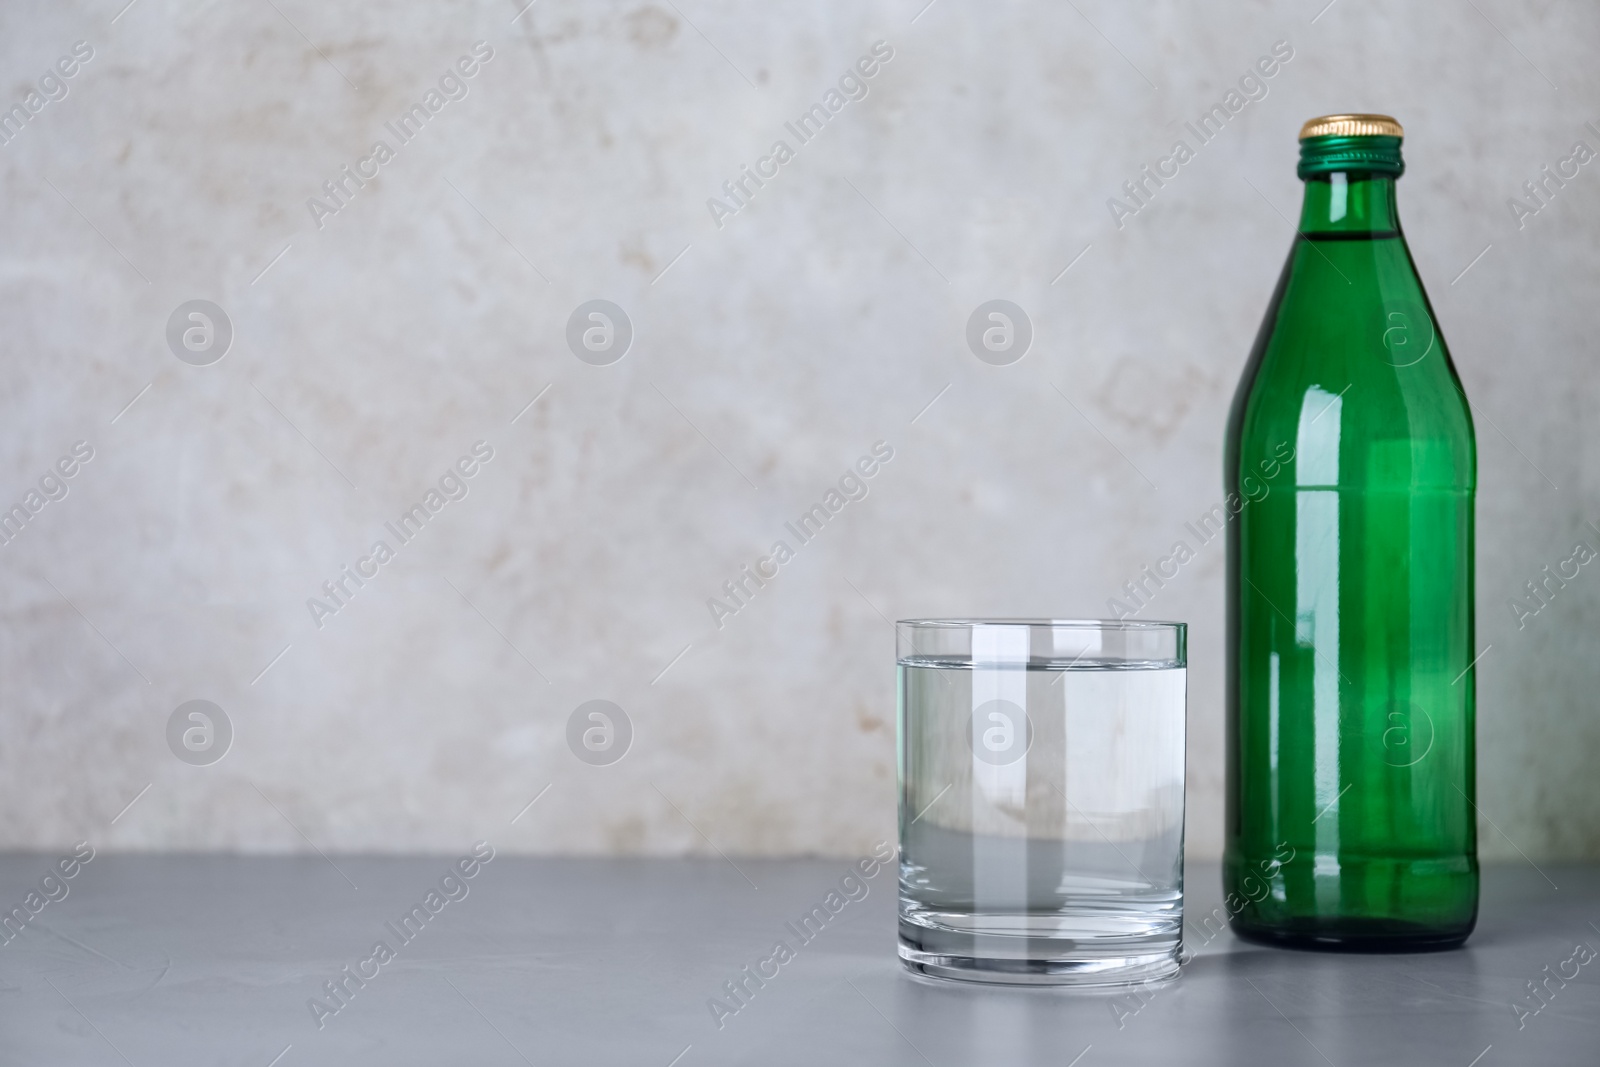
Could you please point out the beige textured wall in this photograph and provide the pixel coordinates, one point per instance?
(769, 354)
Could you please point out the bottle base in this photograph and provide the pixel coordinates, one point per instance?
(1353, 935)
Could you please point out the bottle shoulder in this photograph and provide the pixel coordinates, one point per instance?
(1351, 372)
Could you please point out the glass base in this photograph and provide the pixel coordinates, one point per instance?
(1035, 961)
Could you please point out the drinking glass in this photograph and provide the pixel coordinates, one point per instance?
(1041, 771)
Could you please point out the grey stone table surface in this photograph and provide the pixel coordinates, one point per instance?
(180, 959)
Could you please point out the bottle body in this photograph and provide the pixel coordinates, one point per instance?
(1350, 706)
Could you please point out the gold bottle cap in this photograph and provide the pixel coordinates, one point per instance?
(1351, 126)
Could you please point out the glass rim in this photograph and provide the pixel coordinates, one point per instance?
(1055, 624)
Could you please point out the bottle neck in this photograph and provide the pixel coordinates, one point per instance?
(1356, 202)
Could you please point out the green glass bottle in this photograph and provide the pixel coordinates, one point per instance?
(1350, 686)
